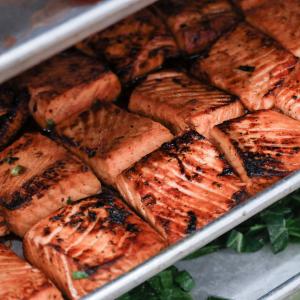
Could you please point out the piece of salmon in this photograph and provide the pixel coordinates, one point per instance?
(182, 186)
(68, 84)
(182, 103)
(288, 95)
(197, 24)
(3, 225)
(97, 239)
(37, 176)
(13, 111)
(279, 19)
(248, 64)
(263, 147)
(109, 139)
(20, 281)
(135, 46)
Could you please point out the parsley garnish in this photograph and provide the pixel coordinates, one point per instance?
(17, 170)
(69, 200)
(79, 275)
(10, 159)
(247, 68)
(50, 124)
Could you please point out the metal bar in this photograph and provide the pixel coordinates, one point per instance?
(49, 42)
(199, 239)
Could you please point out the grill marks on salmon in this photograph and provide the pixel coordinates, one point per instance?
(68, 84)
(99, 236)
(135, 46)
(37, 176)
(263, 147)
(182, 186)
(279, 19)
(248, 64)
(3, 225)
(20, 281)
(110, 139)
(197, 24)
(288, 95)
(181, 102)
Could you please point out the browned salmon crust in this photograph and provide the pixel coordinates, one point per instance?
(288, 95)
(14, 111)
(263, 147)
(20, 281)
(99, 236)
(197, 24)
(248, 64)
(182, 186)
(68, 84)
(279, 19)
(3, 225)
(48, 177)
(110, 139)
(181, 102)
(135, 46)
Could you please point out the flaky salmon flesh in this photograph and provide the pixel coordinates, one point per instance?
(248, 64)
(182, 103)
(182, 186)
(66, 85)
(197, 24)
(135, 46)
(98, 238)
(263, 147)
(20, 281)
(279, 19)
(37, 177)
(109, 139)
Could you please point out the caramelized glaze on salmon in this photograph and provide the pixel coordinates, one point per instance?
(279, 19)
(248, 64)
(68, 84)
(37, 176)
(197, 24)
(182, 186)
(110, 139)
(20, 281)
(263, 147)
(181, 102)
(135, 46)
(99, 237)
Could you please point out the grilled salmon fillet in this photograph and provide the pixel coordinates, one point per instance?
(182, 186)
(13, 111)
(288, 95)
(248, 64)
(68, 84)
(110, 139)
(279, 19)
(3, 225)
(181, 102)
(197, 24)
(98, 238)
(37, 176)
(262, 147)
(135, 46)
(20, 281)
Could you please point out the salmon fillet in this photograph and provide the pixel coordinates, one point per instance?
(182, 186)
(197, 24)
(20, 281)
(135, 46)
(13, 111)
(68, 84)
(37, 176)
(279, 19)
(98, 237)
(288, 95)
(263, 147)
(181, 102)
(3, 225)
(248, 64)
(110, 139)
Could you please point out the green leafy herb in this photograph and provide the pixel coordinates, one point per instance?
(17, 170)
(79, 275)
(215, 298)
(10, 159)
(247, 68)
(69, 200)
(50, 124)
(185, 281)
(203, 251)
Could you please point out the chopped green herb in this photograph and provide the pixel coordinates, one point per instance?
(235, 241)
(17, 170)
(204, 251)
(10, 159)
(215, 298)
(247, 68)
(50, 124)
(79, 275)
(69, 200)
(185, 281)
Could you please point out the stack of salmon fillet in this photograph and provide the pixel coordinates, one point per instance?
(212, 118)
